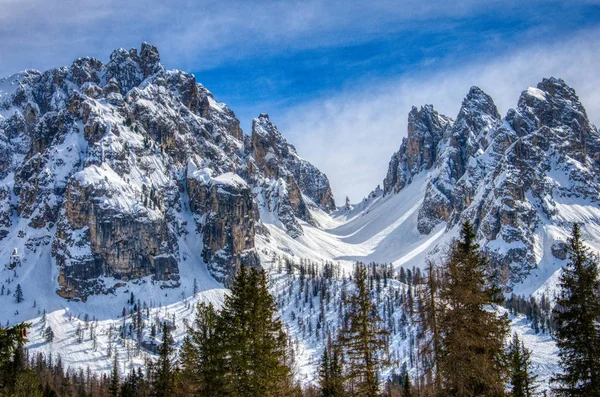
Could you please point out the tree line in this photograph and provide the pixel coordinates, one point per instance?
(463, 346)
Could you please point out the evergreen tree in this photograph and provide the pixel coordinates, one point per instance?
(577, 313)
(253, 342)
(163, 376)
(113, 389)
(429, 311)
(27, 384)
(324, 375)
(49, 334)
(521, 379)
(363, 339)
(406, 386)
(200, 357)
(12, 361)
(331, 381)
(19, 294)
(471, 357)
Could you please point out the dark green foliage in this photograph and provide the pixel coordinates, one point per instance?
(363, 340)
(49, 334)
(12, 361)
(241, 351)
(135, 385)
(577, 312)
(256, 359)
(163, 378)
(331, 377)
(406, 386)
(429, 311)
(113, 388)
(521, 379)
(19, 294)
(201, 359)
(471, 357)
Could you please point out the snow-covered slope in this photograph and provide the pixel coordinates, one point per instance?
(125, 178)
(522, 180)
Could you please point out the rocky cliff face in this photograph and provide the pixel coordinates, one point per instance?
(104, 164)
(290, 184)
(419, 150)
(225, 202)
(508, 176)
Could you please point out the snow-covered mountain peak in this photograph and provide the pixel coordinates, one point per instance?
(124, 177)
(554, 104)
(507, 176)
(96, 180)
(477, 116)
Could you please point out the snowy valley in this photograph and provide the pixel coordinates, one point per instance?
(128, 192)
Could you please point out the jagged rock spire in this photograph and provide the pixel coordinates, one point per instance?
(419, 150)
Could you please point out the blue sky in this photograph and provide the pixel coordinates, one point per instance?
(337, 77)
(281, 79)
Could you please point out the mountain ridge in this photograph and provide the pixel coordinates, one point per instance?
(126, 177)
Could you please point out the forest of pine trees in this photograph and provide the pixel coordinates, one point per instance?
(458, 344)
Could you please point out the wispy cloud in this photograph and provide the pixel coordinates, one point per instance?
(351, 132)
(201, 34)
(351, 135)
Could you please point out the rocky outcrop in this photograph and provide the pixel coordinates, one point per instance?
(94, 174)
(291, 184)
(129, 69)
(419, 150)
(226, 207)
(509, 177)
(97, 239)
(466, 138)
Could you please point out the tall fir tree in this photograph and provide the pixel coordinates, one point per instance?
(331, 377)
(577, 313)
(164, 373)
(12, 360)
(429, 310)
(200, 357)
(521, 378)
(114, 387)
(253, 343)
(19, 294)
(406, 386)
(364, 339)
(471, 357)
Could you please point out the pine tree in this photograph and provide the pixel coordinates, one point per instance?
(324, 375)
(577, 313)
(363, 339)
(19, 294)
(49, 334)
(253, 342)
(331, 381)
(27, 384)
(471, 357)
(521, 379)
(200, 357)
(430, 334)
(12, 340)
(113, 388)
(163, 377)
(406, 386)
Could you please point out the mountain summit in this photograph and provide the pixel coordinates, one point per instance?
(105, 166)
(124, 179)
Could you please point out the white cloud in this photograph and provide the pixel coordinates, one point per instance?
(351, 135)
(204, 33)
